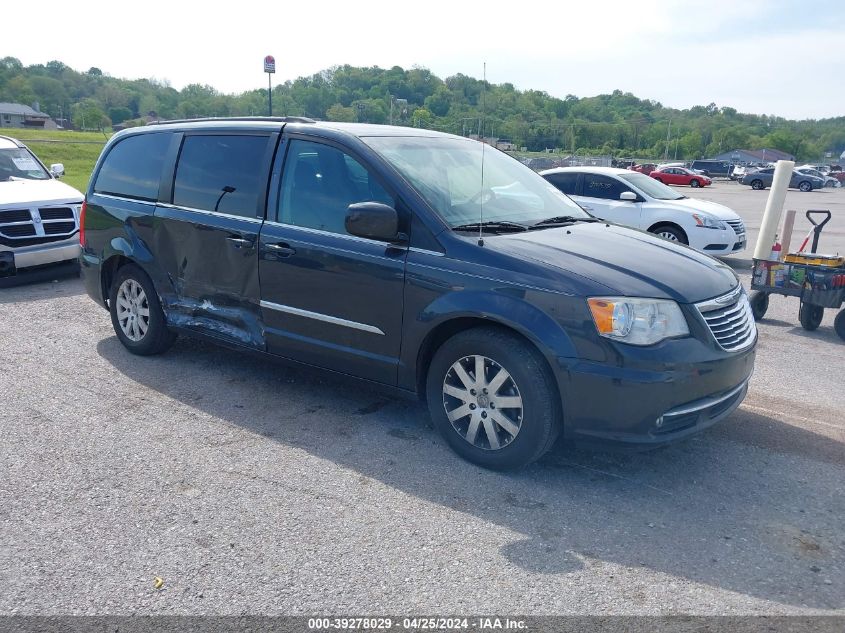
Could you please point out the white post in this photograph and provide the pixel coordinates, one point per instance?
(774, 209)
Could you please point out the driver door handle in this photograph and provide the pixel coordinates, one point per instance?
(281, 249)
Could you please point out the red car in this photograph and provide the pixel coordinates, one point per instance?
(680, 176)
(645, 168)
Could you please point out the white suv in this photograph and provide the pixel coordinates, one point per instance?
(39, 216)
(626, 197)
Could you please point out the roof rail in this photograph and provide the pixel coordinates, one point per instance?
(270, 119)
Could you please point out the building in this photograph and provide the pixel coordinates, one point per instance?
(17, 115)
(753, 156)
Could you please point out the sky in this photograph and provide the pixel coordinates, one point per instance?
(780, 57)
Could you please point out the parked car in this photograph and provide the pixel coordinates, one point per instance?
(641, 202)
(828, 181)
(644, 168)
(39, 216)
(385, 254)
(762, 178)
(680, 176)
(713, 168)
(739, 171)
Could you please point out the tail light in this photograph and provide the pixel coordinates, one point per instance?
(82, 223)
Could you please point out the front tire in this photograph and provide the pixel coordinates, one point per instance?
(493, 398)
(810, 316)
(671, 233)
(136, 313)
(694, 184)
(757, 185)
(805, 186)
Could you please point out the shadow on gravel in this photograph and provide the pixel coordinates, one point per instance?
(752, 506)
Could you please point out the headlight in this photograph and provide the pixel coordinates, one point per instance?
(637, 321)
(707, 222)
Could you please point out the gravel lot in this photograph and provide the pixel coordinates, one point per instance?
(252, 488)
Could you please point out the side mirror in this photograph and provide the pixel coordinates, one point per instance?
(57, 169)
(373, 220)
(628, 196)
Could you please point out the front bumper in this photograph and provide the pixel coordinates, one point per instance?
(41, 254)
(655, 395)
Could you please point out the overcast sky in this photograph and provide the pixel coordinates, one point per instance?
(782, 57)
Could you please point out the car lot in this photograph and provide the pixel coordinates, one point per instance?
(252, 488)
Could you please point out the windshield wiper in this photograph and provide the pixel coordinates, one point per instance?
(563, 220)
(501, 225)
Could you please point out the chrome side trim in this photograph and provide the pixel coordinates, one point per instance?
(425, 251)
(124, 199)
(321, 317)
(705, 403)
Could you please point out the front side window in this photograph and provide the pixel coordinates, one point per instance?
(132, 168)
(220, 173)
(465, 182)
(597, 186)
(319, 182)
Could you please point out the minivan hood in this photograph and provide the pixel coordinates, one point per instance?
(715, 209)
(37, 192)
(628, 262)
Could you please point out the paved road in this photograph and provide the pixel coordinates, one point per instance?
(251, 488)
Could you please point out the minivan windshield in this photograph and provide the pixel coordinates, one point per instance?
(18, 163)
(447, 172)
(651, 187)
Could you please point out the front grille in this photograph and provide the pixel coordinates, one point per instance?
(56, 213)
(737, 226)
(730, 320)
(59, 228)
(15, 215)
(17, 230)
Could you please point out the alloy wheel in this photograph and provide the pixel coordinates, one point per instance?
(133, 310)
(482, 402)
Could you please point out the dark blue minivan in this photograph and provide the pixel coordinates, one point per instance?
(419, 261)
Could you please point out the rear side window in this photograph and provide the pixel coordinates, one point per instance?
(221, 173)
(596, 186)
(132, 168)
(565, 182)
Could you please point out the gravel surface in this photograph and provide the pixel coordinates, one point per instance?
(251, 488)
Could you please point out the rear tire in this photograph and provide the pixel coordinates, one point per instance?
(757, 185)
(136, 313)
(759, 304)
(810, 316)
(805, 186)
(514, 423)
(671, 233)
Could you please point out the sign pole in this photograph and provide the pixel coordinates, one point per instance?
(269, 68)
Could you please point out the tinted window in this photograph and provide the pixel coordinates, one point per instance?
(133, 167)
(220, 173)
(565, 182)
(596, 186)
(318, 184)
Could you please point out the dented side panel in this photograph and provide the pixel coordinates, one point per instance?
(210, 273)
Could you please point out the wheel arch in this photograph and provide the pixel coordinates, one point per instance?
(653, 228)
